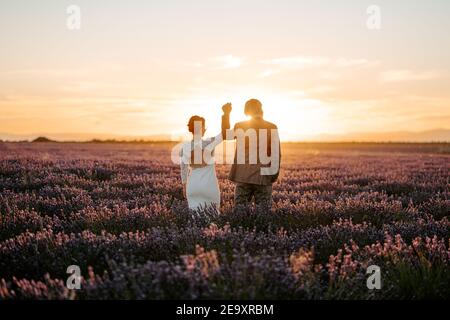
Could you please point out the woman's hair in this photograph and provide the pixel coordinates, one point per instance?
(193, 120)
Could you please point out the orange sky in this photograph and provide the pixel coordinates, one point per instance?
(140, 68)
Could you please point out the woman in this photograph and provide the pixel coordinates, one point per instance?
(198, 173)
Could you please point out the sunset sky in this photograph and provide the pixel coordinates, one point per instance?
(141, 68)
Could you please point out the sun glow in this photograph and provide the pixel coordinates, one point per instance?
(296, 119)
(296, 116)
(141, 70)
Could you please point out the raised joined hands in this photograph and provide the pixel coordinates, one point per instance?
(226, 108)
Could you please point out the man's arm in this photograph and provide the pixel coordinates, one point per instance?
(226, 120)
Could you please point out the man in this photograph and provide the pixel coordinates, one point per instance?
(256, 163)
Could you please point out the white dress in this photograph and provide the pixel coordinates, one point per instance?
(202, 187)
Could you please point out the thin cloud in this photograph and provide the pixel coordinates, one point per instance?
(297, 62)
(268, 73)
(321, 89)
(63, 72)
(316, 61)
(343, 62)
(327, 75)
(402, 75)
(229, 61)
(278, 65)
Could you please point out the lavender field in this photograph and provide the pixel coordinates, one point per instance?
(116, 211)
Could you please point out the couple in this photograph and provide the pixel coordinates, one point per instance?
(255, 167)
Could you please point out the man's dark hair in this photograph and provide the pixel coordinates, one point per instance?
(253, 107)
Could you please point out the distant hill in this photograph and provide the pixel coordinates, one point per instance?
(43, 139)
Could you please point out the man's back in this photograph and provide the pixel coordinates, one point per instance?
(249, 133)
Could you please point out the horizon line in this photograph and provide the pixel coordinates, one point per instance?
(162, 141)
(437, 135)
